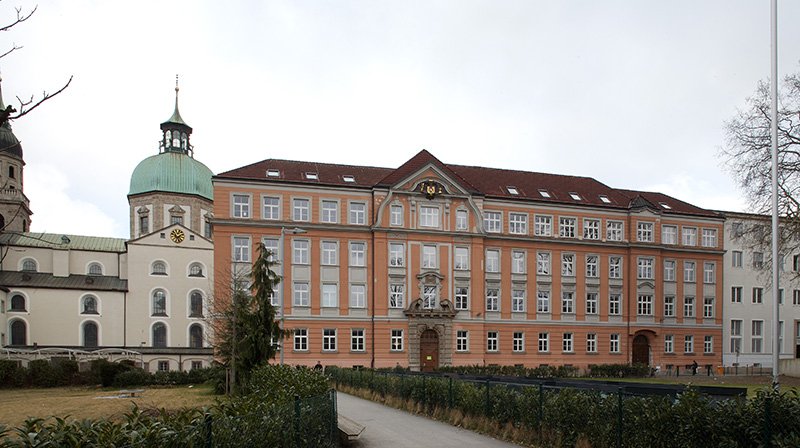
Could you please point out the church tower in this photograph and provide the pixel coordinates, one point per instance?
(172, 186)
(15, 212)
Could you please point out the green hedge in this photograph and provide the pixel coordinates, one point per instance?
(619, 370)
(524, 372)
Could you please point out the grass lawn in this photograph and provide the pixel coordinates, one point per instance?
(16, 405)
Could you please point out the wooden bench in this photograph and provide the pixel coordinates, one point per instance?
(130, 393)
(349, 429)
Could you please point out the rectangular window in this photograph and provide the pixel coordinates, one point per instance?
(518, 262)
(429, 257)
(709, 238)
(591, 343)
(518, 300)
(462, 298)
(736, 258)
(329, 340)
(397, 254)
(300, 294)
(736, 294)
(518, 344)
(566, 227)
(492, 299)
(644, 305)
(614, 304)
(758, 295)
(492, 222)
(614, 267)
(614, 343)
(330, 253)
(241, 206)
(669, 343)
(614, 230)
(757, 335)
(518, 223)
(396, 295)
(645, 268)
(566, 343)
(796, 263)
(271, 208)
(358, 213)
(669, 270)
(644, 232)
(688, 306)
(429, 216)
(397, 341)
(163, 366)
(591, 266)
(669, 306)
(708, 344)
(709, 272)
(144, 225)
(241, 249)
(688, 344)
(461, 220)
(358, 254)
(330, 212)
(462, 341)
(591, 229)
(491, 341)
(544, 342)
(795, 297)
(396, 215)
(358, 296)
(689, 271)
(758, 260)
(543, 301)
(591, 303)
(429, 297)
(357, 340)
(301, 339)
(542, 225)
(690, 236)
(568, 265)
(736, 336)
(301, 210)
(461, 262)
(543, 263)
(708, 307)
(669, 235)
(567, 302)
(300, 249)
(492, 260)
(330, 295)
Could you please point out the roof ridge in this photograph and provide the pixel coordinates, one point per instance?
(525, 172)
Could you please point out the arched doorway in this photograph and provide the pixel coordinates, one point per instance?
(641, 350)
(428, 351)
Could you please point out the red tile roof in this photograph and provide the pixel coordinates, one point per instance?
(489, 182)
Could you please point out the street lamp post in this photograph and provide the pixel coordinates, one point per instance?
(293, 231)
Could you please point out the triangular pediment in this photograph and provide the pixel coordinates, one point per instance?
(426, 174)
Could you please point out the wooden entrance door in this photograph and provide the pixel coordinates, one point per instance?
(641, 350)
(428, 351)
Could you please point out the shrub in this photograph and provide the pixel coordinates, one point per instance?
(11, 374)
(104, 371)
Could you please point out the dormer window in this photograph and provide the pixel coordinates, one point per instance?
(575, 196)
(349, 179)
(665, 205)
(312, 176)
(512, 190)
(605, 199)
(544, 193)
(273, 173)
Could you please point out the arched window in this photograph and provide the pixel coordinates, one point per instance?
(159, 335)
(11, 172)
(19, 333)
(168, 138)
(90, 334)
(18, 302)
(2, 222)
(159, 268)
(196, 336)
(196, 304)
(95, 269)
(89, 305)
(184, 141)
(196, 270)
(29, 265)
(159, 303)
(176, 139)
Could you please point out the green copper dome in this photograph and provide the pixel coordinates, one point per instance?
(172, 172)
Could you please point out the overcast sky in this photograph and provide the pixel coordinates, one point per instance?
(632, 93)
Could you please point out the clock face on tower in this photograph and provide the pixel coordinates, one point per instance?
(177, 236)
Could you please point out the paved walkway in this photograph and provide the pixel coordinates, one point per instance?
(389, 427)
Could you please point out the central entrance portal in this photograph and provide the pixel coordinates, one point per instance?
(641, 350)
(428, 351)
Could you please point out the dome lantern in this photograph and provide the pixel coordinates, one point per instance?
(175, 133)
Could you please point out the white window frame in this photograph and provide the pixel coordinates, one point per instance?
(461, 298)
(615, 230)
(329, 211)
(567, 302)
(518, 264)
(592, 266)
(301, 294)
(241, 249)
(358, 254)
(518, 223)
(358, 295)
(689, 271)
(688, 343)
(357, 340)
(567, 343)
(270, 211)
(397, 293)
(357, 213)
(644, 231)
(567, 227)
(592, 303)
(669, 270)
(543, 263)
(429, 216)
(301, 250)
(689, 236)
(709, 272)
(567, 265)
(241, 205)
(669, 306)
(614, 304)
(397, 255)
(645, 268)
(517, 300)
(461, 258)
(329, 339)
(544, 342)
(644, 305)
(396, 215)
(688, 307)
(492, 341)
(591, 229)
(301, 340)
(708, 307)
(301, 209)
(493, 260)
(429, 256)
(591, 343)
(613, 345)
(493, 299)
(329, 253)
(543, 225)
(396, 338)
(709, 238)
(493, 221)
(518, 342)
(615, 267)
(669, 234)
(462, 219)
(330, 295)
(462, 341)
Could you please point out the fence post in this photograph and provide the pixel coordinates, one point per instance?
(541, 407)
(620, 414)
(767, 421)
(297, 421)
(488, 409)
(334, 418)
(209, 437)
(450, 393)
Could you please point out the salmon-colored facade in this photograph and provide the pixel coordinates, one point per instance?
(431, 264)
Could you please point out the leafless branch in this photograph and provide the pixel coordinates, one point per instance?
(26, 106)
(21, 17)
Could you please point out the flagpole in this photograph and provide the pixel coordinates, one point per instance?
(775, 261)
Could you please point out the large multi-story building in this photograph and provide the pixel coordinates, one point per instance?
(748, 308)
(433, 264)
